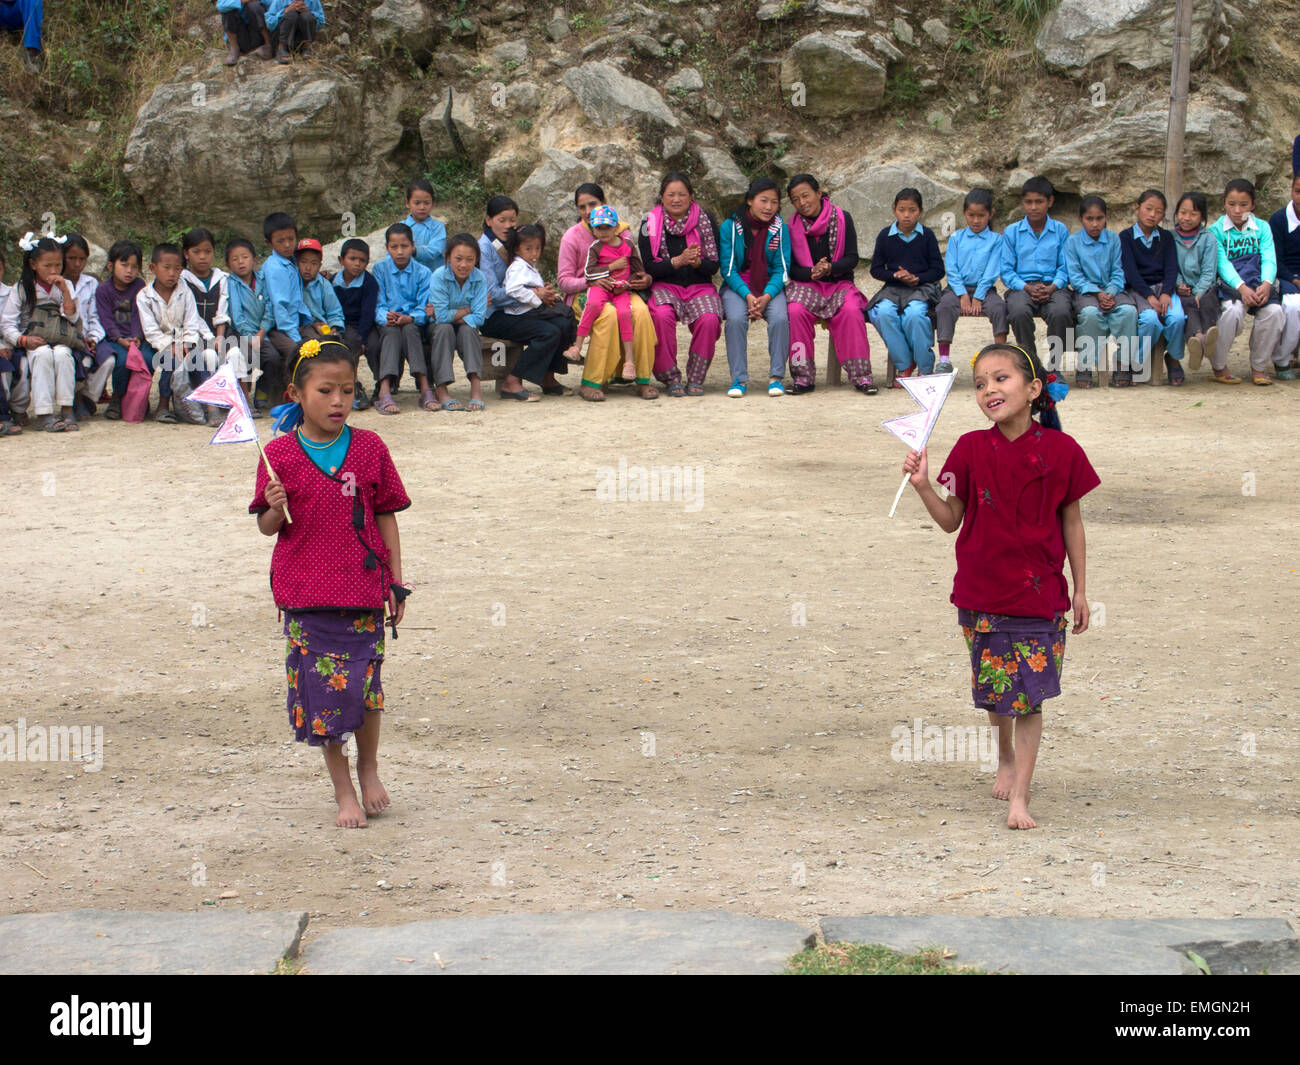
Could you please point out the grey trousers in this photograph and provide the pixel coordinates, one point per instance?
(445, 340)
(397, 342)
(949, 310)
(1057, 312)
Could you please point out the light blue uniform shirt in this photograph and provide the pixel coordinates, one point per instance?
(321, 303)
(1094, 266)
(284, 295)
(973, 260)
(249, 309)
(430, 240)
(1029, 256)
(275, 12)
(404, 291)
(448, 295)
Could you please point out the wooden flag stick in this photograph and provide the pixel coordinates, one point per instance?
(271, 474)
(897, 497)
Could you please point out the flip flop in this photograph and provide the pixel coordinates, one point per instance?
(167, 417)
(676, 390)
(1224, 379)
(695, 390)
(387, 405)
(9, 429)
(523, 395)
(70, 424)
(51, 424)
(475, 405)
(452, 404)
(427, 397)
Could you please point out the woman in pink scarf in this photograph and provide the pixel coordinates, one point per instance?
(604, 352)
(823, 253)
(679, 246)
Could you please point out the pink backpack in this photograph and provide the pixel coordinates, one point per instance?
(135, 404)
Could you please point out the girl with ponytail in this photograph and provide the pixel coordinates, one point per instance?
(1013, 490)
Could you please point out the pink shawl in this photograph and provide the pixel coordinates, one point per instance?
(830, 219)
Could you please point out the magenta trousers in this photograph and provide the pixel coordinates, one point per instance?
(597, 297)
(705, 331)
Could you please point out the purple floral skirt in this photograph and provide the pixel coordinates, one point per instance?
(332, 663)
(1015, 663)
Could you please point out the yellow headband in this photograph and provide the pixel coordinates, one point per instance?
(311, 349)
(1034, 373)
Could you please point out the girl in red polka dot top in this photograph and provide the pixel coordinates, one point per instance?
(337, 563)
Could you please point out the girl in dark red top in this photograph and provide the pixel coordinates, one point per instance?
(1014, 491)
(335, 566)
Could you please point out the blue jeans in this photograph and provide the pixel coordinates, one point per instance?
(736, 328)
(25, 15)
(907, 334)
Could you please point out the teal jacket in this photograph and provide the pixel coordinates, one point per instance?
(734, 255)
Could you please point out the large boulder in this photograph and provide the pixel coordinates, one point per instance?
(721, 184)
(409, 24)
(867, 193)
(453, 128)
(1125, 154)
(229, 150)
(1137, 33)
(611, 99)
(374, 241)
(827, 78)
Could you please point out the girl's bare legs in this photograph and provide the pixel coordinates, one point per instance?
(1029, 730)
(629, 366)
(336, 761)
(1006, 777)
(374, 797)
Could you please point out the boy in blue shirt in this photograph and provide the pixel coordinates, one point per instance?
(244, 22)
(1033, 270)
(317, 293)
(296, 23)
(358, 294)
(400, 318)
(283, 283)
(1096, 274)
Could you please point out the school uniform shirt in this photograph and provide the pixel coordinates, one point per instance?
(275, 12)
(448, 295)
(320, 561)
(117, 310)
(1011, 546)
(733, 255)
(972, 260)
(16, 314)
(1149, 260)
(284, 294)
(404, 291)
(1285, 228)
(358, 299)
(1094, 266)
(493, 264)
(1246, 255)
(321, 302)
(430, 240)
(248, 306)
(85, 290)
(161, 318)
(1029, 256)
(917, 252)
(1198, 262)
(210, 295)
(520, 280)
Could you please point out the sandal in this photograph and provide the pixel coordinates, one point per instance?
(1083, 379)
(1224, 378)
(523, 395)
(428, 401)
(386, 405)
(797, 389)
(647, 391)
(867, 387)
(1121, 379)
(51, 424)
(1174, 369)
(9, 429)
(676, 390)
(451, 404)
(70, 424)
(695, 390)
(474, 405)
(1261, 378)
(167, 417)
(557, 390)
(591, 394)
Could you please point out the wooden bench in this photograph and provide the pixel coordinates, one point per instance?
(499, 357)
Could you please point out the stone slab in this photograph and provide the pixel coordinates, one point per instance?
(113, 942)
(605, 943)
(1085, 945)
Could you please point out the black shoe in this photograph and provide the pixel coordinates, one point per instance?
(362, 401)
(796, 389)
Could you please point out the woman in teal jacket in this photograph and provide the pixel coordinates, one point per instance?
(755, 266)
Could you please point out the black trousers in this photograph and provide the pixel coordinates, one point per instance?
(542, 339)
(296, 29)
(245, 28)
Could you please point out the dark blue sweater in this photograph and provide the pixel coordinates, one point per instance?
(359, 303)
(919, 256)
(1286, 245)
(1144, 267)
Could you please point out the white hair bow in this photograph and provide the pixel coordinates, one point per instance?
(30, 240)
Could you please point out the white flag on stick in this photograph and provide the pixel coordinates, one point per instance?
(914, 429)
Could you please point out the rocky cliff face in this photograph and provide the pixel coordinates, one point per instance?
(500, 96)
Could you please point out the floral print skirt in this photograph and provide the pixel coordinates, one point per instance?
(332, 664)
(1015, 662)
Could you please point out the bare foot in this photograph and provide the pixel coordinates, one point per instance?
(629, 370)
(350, 813)
(1005, 781)
(374, 797)
(1019, 815)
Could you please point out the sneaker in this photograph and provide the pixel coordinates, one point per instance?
(943, 366)
(736, 390)
(775, 388)
(1284, 373)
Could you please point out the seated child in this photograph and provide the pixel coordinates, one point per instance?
(93, 368)
(971, 262)
(317, 293)
(8, 365)
(283, 290)
(250, 319)
(1198, 275)
(430, 235)
(42, 318)
(523, 282)
(400, 317)
(295, 24)
(1033, 271)
(458, 308)
(208, 284)
(1096, 276)
(244, 22)
(1151, 280)
(610, 244)
(1285, 225)
(173, 328)
(1247, 269)
(358, 292)
(119, 317)
(906, 258)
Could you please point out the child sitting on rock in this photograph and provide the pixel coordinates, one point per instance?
(244, 22)
(296, 24)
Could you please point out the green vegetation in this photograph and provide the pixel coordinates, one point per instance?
(869, 959)
(902, 86)
(1031, 12)
(977, 27)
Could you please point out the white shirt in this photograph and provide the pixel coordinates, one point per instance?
(520, 280)
(163, 319)
(84, 290)
(13, 319)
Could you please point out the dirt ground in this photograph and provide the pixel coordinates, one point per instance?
(601, 704)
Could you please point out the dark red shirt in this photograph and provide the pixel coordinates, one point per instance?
(1011, 546)
(320, 560)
